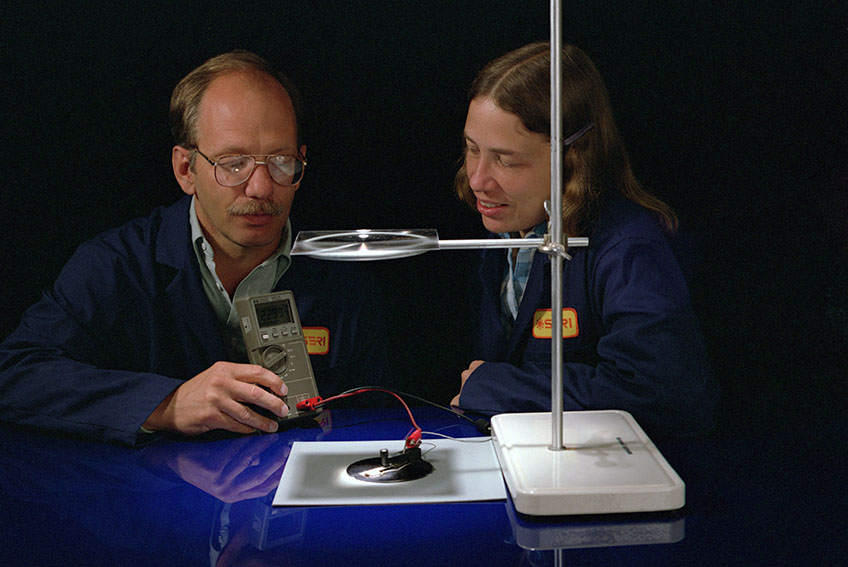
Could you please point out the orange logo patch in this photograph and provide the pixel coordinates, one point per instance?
(317, 340)
(543, 323)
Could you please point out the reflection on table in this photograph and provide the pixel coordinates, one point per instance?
(749, 500)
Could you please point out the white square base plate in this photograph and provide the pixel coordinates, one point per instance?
(609, 465)
(315, 474)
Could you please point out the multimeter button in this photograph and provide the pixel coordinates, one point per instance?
(284, 331)
(265, 336)
(294, 330)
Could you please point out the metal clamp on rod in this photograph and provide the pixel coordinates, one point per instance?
(554, 248)
(551, 248)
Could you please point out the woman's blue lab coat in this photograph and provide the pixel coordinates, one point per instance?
(632, 341)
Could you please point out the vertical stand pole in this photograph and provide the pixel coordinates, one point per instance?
(556, 229)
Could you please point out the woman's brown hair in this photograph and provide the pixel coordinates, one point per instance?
(519, 82)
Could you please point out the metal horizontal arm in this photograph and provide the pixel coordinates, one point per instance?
(574, 242)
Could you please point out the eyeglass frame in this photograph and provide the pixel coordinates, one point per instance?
(256, 162)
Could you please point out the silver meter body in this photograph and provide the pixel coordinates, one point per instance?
(273, 338)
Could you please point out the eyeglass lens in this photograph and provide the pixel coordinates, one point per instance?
(234, 170)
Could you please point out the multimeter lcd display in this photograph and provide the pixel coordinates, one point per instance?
(273, 313)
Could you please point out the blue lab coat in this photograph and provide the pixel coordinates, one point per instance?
(632, 343)
(127, 321)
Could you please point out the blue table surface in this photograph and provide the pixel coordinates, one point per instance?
(762, 499)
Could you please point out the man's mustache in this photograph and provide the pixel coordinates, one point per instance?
(257, 208)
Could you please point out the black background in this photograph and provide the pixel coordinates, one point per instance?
(736, 116)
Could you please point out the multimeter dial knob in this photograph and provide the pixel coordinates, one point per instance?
(275, 359)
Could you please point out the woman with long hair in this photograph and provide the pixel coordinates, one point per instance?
(631, 340)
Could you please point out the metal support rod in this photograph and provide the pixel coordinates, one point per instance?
(574, 242)
(556, 228)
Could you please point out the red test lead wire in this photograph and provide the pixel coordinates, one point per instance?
(413, 438)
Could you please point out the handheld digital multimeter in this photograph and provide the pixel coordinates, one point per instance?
(273, 338)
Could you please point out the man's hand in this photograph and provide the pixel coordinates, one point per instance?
(218, 398)
(464, 377)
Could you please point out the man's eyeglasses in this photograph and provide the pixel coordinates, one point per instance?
(233, 170)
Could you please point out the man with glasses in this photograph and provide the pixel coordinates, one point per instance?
(139, 334)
